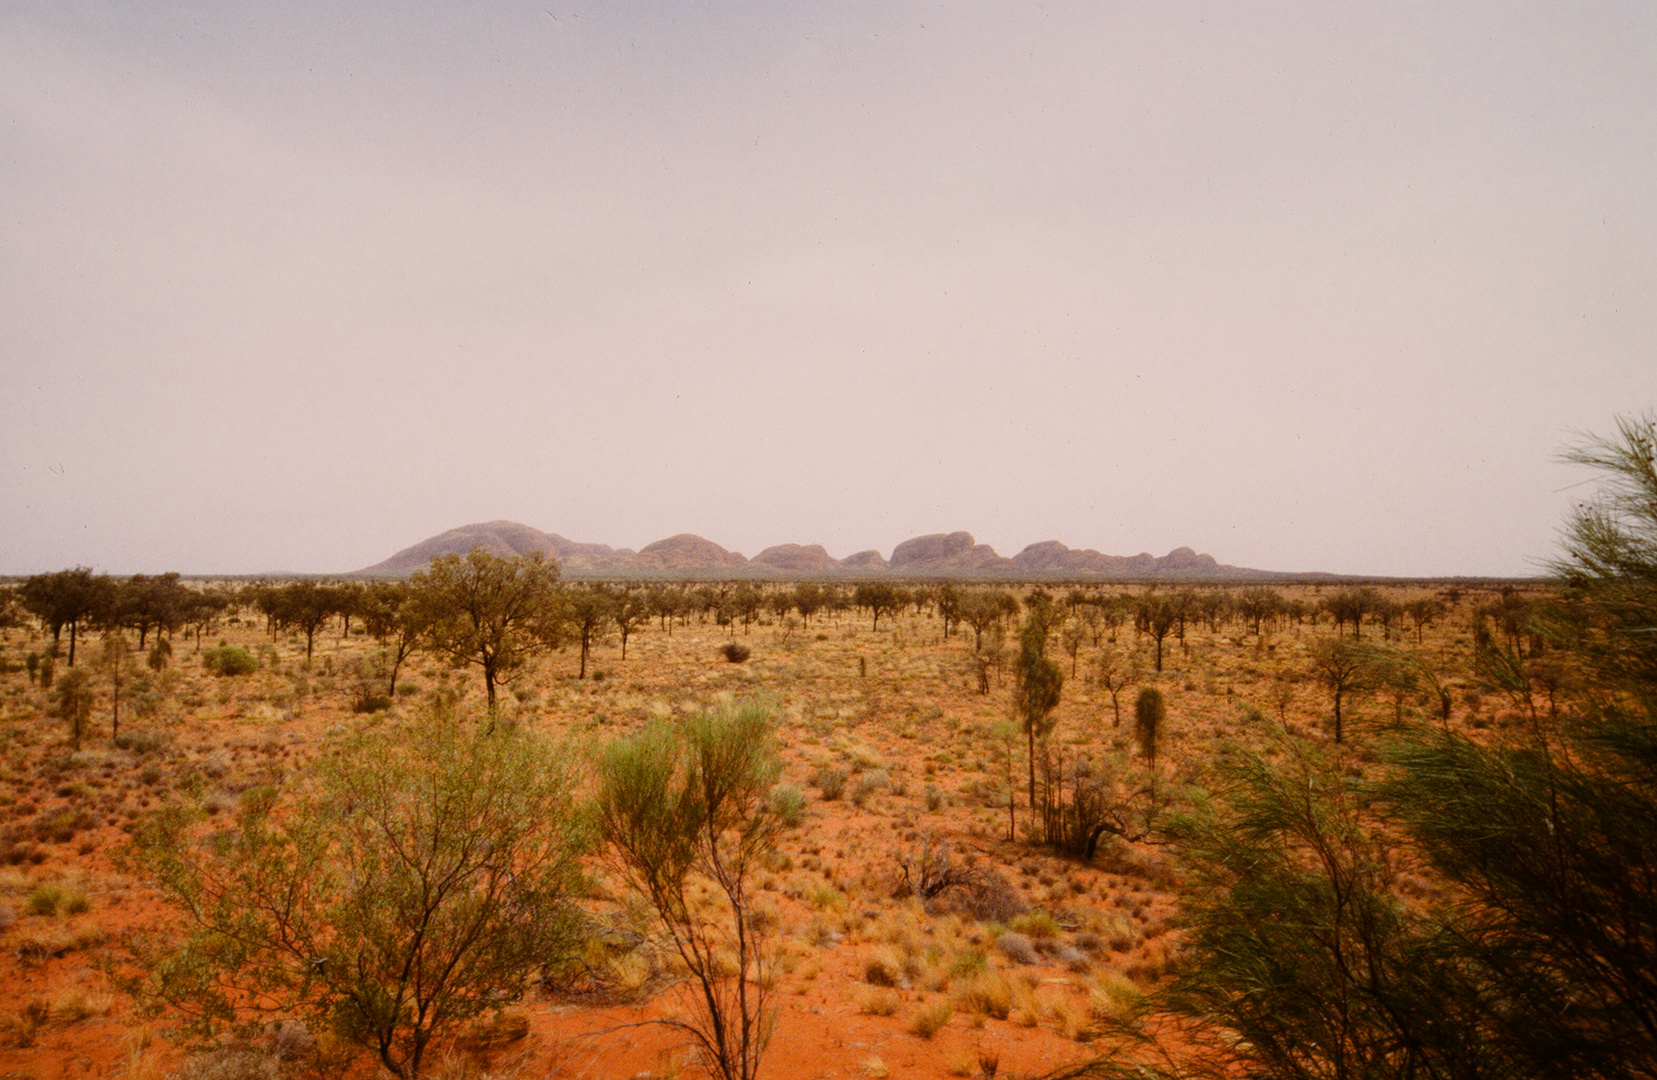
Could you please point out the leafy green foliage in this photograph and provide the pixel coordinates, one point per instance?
(229, 660)
(489, 611)
(1039, 684)
(1536, 953)
(686, 805)
(1303, 959)
(414, 885)
(73, 699)
(1150, 714)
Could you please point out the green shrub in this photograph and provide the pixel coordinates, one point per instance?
(45, 900)
(1035, 924)
(788, 803)
(314, 880)
(824, 897)
(930, 1019)
(57, 898)
(687, 803)
(867, 785)
(141, 742)
(967, 963)
(229, 660)
(831, 782)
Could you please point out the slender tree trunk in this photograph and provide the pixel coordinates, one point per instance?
(1031, 731)
(396, 666)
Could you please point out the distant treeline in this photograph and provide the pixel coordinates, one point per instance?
(76, 600)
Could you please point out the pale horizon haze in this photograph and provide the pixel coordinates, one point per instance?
(1308, 287)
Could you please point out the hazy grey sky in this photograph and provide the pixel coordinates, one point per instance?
(1304, 285)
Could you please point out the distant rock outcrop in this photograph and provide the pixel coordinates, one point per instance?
(931, 548)
(946, 554)
(1183, 560)
(937, 555)
(796, 558)
(503, 538)
(686, 552)
(1052, 557)
(865, 560)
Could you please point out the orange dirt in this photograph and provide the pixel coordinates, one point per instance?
(901, 703)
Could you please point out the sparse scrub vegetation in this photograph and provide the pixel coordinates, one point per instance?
(312, 904)
(996, 859)
(229, 661)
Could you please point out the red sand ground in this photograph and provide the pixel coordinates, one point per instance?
(901, 702)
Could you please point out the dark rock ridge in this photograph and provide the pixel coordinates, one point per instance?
(865, 560)
(797, 558)
(937, 555)
(506, 539)
(946, 554)
(686, 551)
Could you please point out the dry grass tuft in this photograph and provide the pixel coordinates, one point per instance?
(884, 967)
(987, 993)
(930, 1019)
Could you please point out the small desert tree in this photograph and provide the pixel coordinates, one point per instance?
(1117, 673)
(588, 609)
(118, 667)
(1257, 604)
(1072, 635)
(1036, 693)
(11, 610)
(67, 598)
(73, 699)
(1157, 616)
(489, 611)
(1303, 959)
(1536, 956)
(1086, 800)
(880, 598)
(143, 603)
(987, 656)
(632, 611)
(307, 605)
(1150, 713)
(1423, 611)
(413, 886)
(1351, 606)
(1342, 667)
(688, 804)
(392, 618)
(809, 598)
(1005, 736)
